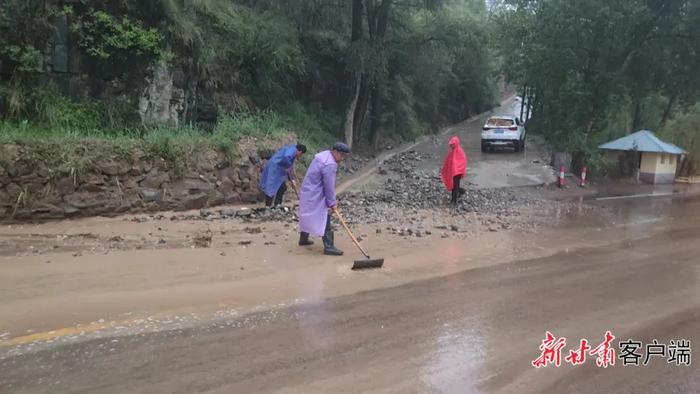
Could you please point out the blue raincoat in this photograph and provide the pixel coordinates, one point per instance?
(278, 170)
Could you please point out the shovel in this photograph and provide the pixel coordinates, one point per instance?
(359, 264)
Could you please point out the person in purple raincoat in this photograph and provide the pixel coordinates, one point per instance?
(317, 198)
(278, 170)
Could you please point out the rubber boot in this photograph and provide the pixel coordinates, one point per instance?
(328, 247)
(304, 239)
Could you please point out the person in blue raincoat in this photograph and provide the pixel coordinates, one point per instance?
(278, 170)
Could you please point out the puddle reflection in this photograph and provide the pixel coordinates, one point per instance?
(455, 361)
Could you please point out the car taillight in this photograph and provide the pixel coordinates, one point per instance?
(513, 128)
(486, 128)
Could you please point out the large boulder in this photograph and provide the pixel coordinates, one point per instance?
(113, 168)
(192, 186)
(150, 195)
(155, 179)
(95, 179)
(65, 186)
(195, 201)
(84, 200)
(226, 186)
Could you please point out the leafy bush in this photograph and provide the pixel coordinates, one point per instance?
(104, 36)
(684, 131)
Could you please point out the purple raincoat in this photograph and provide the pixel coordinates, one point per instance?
(317, 194)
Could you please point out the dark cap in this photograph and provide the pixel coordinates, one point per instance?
(341, 147)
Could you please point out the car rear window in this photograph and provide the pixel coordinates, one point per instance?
(500, 122)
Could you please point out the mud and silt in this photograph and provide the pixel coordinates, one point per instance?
(162, 303)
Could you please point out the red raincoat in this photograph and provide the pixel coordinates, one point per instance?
(455, 163)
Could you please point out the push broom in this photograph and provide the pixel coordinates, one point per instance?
(359, 264)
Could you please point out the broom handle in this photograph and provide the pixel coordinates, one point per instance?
(342, 221)
(294, 185)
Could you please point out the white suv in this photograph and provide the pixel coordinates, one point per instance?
(502, 131)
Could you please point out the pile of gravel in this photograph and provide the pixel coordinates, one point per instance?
(407, 192)
(408, 189)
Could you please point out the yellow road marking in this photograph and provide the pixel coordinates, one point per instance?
(61, 332)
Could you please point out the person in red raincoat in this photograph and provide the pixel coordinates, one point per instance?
(454, 168)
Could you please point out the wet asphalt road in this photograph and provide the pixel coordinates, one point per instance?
(476, 331)
(502, 168)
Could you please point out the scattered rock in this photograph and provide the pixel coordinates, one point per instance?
(245, 242)
(253, 230)
(222, 165)
(203, 240)
(204, 213)
(454, 228)
(70, 210)
(243, 213)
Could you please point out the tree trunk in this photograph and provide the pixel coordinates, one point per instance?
(356, 20)
(522, 103)
(636, 115)
(530, 97)
(383, 18)
(350, 113)
(357, 80)
(362, 104)
(379, 22)
(376, 117)
(667, 110)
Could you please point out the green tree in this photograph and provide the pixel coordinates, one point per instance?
(602, 59)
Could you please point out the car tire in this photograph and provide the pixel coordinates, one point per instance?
(517, 147)
(484, 147)
(522, 144)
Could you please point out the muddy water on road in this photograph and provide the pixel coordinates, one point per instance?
(475, 328)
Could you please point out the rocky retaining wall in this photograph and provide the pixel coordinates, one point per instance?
(35, 192)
